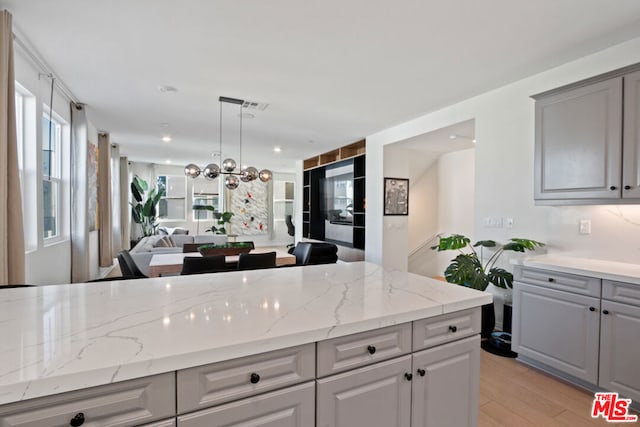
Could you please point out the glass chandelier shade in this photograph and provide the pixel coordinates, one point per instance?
(229, 165)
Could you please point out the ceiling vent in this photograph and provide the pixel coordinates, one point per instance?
(250, 105)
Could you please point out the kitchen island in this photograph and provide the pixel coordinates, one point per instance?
(302, 325)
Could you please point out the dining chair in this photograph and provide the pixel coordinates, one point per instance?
(302, 253)
(128, 266)
(203, 264)
(256, 261)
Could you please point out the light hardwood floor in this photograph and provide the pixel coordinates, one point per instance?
(512, 394)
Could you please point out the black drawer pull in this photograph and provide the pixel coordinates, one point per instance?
(551, 279)
(605, 311)
(627, 187)
(78, 420)
(613, 187)
(371, 349)
(453, 328)
(408, 376)
(592, 309)
(254, 378)
(422, 372)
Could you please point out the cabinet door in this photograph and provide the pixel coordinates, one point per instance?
(631, 137)
(558, 329)
(446, 384)
(578, 143)
(374, 396)
(289, 407)
(619, 350)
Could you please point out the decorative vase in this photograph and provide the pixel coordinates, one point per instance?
(488, 320)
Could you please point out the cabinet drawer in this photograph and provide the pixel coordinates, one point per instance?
(210, 385)
(292, 406)
(126, 403)
(621, 292)
(448, 327)
(574, 283)
(340, 354)
(171, 422)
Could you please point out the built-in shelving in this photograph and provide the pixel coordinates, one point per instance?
(342, 153)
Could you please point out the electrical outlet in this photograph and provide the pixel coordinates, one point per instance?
(585, 226)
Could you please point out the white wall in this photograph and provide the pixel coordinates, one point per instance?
(423, 206)
(504, 171)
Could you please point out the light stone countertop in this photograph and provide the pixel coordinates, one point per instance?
(67, 337)
(608, 270)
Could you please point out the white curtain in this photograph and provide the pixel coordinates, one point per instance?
(79, 196)
(124, 203)
(104, 200)
(11, 226)
(116, 224)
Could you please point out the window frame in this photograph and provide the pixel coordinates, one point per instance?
(56, 177)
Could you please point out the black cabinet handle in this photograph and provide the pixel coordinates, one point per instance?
(408, 376)
(78, 420)
(422, 372)
(627, 187)
(453, 328)
(254, 378)
(551, 279)
(613, 187)
(592, 309)
(605, 311)
(371, 349)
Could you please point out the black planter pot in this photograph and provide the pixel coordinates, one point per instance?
(488, 320)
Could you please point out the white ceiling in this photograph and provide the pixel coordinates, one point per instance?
(333, 71)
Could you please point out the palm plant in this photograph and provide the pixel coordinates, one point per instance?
(467, 268)
(143, 207)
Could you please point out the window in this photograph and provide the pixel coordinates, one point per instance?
(172, 204)
(51, 175)
(205, 193)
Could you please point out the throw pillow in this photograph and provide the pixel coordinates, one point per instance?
(162, 243)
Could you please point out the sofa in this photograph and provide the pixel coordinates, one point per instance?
(148, 246)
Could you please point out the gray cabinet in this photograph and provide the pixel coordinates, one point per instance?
(587, 144)
(289, 407)
(558, 329)
(587, 336)
(446, 383)
(133, 402)
(619, 330)
(378, 395)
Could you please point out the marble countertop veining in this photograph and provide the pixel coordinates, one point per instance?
(609, 270)
(67, 337)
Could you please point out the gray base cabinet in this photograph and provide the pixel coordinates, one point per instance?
(557, 328)
(378, 395)
(619, 349)
(445, 385)
(290, 407)
(590, 340)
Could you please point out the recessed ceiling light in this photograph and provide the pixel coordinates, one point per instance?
(166, 138)
(168, 162)
(167, 89)
(473, 140)
(453, 136)
(277, 149)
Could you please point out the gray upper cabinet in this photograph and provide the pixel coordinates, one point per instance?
(587, 141)
(631, 137)
(578, 136)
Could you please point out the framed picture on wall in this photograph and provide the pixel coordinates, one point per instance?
(396, 196)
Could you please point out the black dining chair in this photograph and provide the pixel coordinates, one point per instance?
(302, 253)
(128, 266)
(203, 264)
(256, 261)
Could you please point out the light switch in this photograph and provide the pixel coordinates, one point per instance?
(585, 226)
(508, 223)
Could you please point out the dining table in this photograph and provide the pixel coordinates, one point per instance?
(172, 263)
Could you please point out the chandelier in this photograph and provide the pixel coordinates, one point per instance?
(233, 178)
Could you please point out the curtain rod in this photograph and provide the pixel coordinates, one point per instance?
(40, 63)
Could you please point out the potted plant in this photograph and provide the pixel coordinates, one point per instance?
(143, 206)
(467, 268)
(223, 219)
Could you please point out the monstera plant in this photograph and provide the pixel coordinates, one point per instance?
(469, 269)
(143, 206)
